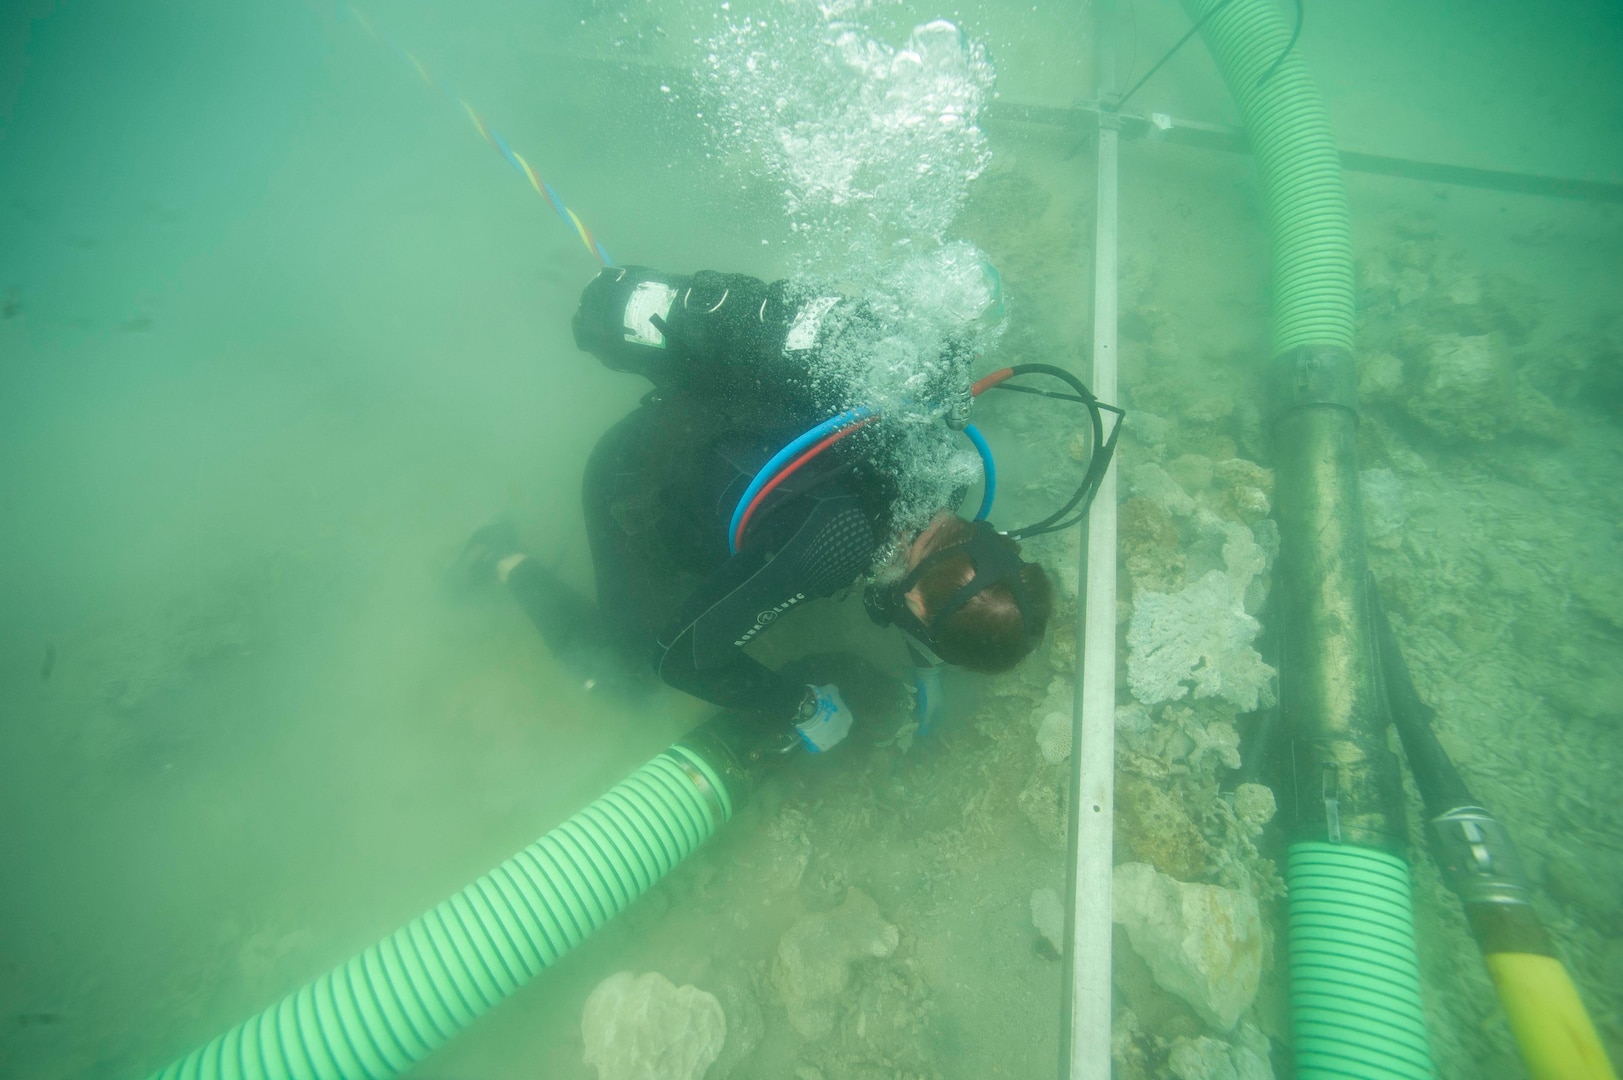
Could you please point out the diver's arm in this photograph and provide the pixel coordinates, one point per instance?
(742, 684)
(704, 648)
(806, 554)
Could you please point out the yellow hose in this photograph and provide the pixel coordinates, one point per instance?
(1557, 1039)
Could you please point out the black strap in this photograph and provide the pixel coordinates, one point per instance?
(993, 564)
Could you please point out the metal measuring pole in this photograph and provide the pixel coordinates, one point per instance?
(1085, 1037)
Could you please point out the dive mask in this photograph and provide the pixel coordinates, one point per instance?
(992, 564)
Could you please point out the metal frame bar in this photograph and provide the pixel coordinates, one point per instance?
(1232, 140)
(1085, 1039)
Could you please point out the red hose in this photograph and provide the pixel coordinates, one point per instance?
(984, 384)
(788, 471)
(987, 382)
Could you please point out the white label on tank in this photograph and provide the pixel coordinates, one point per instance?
(649, 299)
(803, 332)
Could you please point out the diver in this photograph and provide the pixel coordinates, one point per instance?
(687, 576)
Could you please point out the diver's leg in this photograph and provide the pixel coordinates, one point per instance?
(565, 618)
(635, 590)
(591, 637)
(574, 629)
(622, 511)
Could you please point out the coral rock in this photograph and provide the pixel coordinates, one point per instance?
(1150, 545)
(1380, 377)
(815, 956)
(1466, 389)
(1243, 488)
(1193, 472)
(1198, 637)
(1151, 482)
(1254, 805)
(1217, 739)
(1153, 823)
(1206, 1058)
(1202, 942)
(644, 1027)
(1054, 737)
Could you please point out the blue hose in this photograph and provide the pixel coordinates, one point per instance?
(834, 423)
(781, 458)
(989, 488)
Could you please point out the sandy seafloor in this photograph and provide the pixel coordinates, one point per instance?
(278, 331)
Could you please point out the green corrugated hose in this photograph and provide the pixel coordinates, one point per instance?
(1299, 168)
(1355, 988)
(389, 1007)
(1354, 983)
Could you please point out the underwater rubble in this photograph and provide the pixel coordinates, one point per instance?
(1492, 530)
(1494, 536)
(1489, 452)
(645, 1027)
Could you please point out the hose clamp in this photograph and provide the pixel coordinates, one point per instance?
(701, 783)
(1476, 856)
(1347, 791)
(958, 409)
(1314, 375)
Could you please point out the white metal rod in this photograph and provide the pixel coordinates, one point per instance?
(1085, 1038)
(1094, 718)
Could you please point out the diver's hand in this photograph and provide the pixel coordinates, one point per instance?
(825, 719)
(929, 699)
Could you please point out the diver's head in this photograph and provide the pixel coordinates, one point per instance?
(968, 596)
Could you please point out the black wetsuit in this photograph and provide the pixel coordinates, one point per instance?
(661, 485)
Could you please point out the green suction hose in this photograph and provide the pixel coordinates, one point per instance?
(389, 1007)
(1298, 165)
(1355, 987)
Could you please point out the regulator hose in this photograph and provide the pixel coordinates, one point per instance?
(1100, 451)
(391, 1006)
(786, 462)
(735, 527)
(988, 471)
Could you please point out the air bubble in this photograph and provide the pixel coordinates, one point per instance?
(873, 148)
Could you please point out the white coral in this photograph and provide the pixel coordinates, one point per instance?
(644, 1027)
(1218, 739)
(1054, 737)
(1197, 637)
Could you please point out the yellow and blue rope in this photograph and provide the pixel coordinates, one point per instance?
(494, 138)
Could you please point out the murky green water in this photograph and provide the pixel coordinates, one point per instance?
(278, 330)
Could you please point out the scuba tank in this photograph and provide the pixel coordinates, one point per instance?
(730, 340)
(764, 353)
